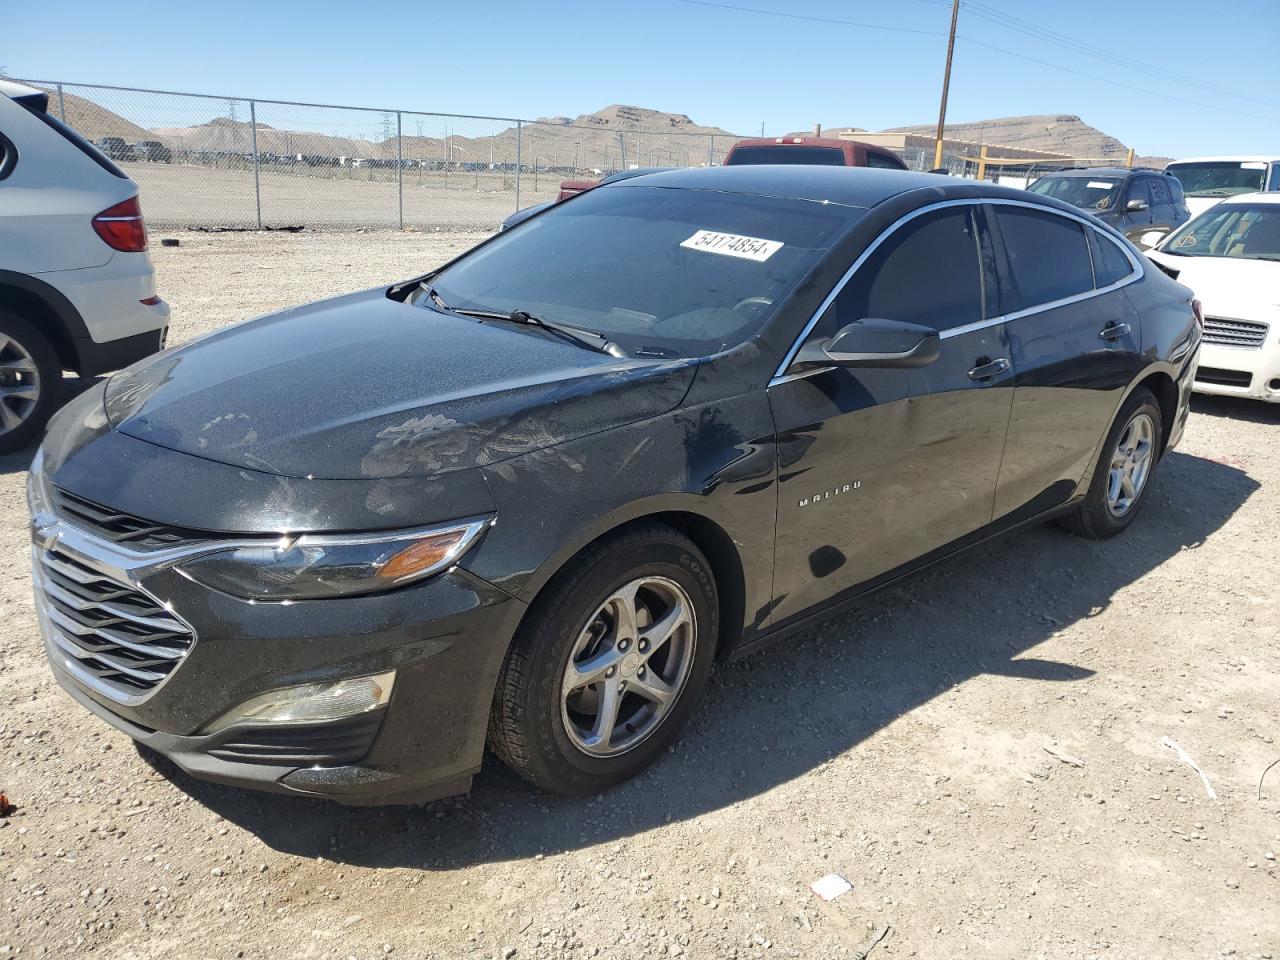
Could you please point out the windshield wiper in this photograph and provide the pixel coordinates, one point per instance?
(438, 300)
(583, 338)
(576, 335)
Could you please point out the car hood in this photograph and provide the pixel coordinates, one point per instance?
(1229, 286)
(362, 386)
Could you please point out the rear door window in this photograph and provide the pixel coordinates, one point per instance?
(1159, 191)
(1110, 265)
(1048, 257)
(926, 272)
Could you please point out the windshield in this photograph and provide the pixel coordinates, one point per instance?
(1249, 231)
(822, 156)
(1089, 193)
(660, 272)
(1220, 178)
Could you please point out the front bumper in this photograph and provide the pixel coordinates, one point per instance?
(1253, 374)
(445, 638)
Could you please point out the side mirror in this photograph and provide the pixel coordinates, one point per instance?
(873, 343)
(1151, 238)
(1135, 206)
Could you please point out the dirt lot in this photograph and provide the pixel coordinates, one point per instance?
(902, 746)
(175, 195)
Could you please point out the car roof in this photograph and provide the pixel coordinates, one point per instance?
(800, 141)
(628, 174)
(1251, 198)
(848, 186)
(1096, 172)
(1233, 158)
(30, 97)
(11, 89)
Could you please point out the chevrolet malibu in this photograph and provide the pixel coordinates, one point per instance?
(529, 499)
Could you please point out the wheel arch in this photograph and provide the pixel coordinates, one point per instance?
(707, 534)
(48, 311)
(1159, 379)
(1161, 384)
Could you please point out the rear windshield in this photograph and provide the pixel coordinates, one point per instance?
(77, 141)
(1220, 178)
(1087, 193)
(823, 156)
(661, 272)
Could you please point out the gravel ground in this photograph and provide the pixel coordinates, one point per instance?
(978, 752)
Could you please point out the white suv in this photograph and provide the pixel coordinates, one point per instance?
(77, 289)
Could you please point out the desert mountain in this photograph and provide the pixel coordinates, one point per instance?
(603, 139)
(93, 121)
(1062, 133)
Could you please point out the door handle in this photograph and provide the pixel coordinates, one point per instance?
(986, 368)
(1114, 331)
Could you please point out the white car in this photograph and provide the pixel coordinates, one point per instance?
(77, 289)
(1230, 257)
(1206, 180)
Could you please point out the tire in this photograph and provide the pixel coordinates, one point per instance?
(1100, 515)
(546, 733)
(30, 382)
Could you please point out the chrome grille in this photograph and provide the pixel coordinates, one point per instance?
(1226, 332)
(121, 527)
(112, 633)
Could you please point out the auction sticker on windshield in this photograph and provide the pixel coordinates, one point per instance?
(732, 245)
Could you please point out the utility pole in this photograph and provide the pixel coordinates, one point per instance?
(946, 84)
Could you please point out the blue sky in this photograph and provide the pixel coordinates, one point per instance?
(1206, 70)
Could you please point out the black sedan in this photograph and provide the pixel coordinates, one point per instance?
(531, 498)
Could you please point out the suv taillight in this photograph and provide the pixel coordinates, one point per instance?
(1198, 310)
(121, 227)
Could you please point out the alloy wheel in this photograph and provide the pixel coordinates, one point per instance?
(19, 384)
(1131, 465)
(628, 666)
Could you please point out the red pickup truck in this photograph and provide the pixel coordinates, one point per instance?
(812, 150)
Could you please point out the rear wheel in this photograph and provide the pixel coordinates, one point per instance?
(609, 664)
(30, 379)
(1123, 474)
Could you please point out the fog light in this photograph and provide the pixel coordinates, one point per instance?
(312, 702)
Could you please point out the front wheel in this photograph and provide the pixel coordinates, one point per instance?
(609, 664)
(1124, 471)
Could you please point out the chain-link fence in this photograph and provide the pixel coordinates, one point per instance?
(207, 161)
(225, 162)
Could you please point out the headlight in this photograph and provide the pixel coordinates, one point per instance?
(310, 567)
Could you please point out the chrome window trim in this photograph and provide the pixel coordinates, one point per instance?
(1138, 271)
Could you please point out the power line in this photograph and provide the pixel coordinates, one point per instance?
(811, 19)
(1116, 83)
(980, 43)
(1029, 28)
